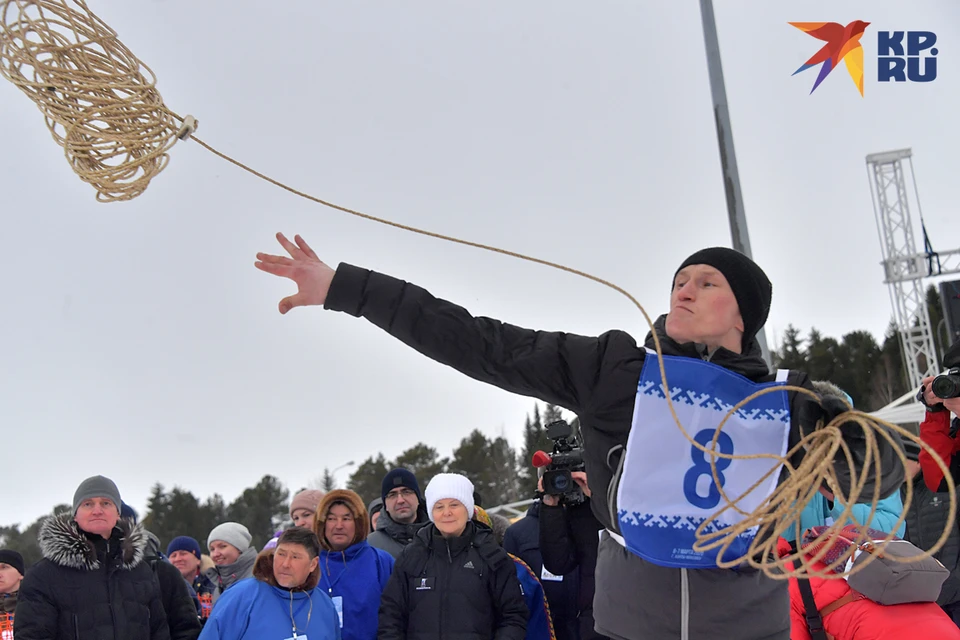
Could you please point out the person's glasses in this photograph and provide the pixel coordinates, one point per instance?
(405, 493)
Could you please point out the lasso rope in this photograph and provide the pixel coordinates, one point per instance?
(102, 106)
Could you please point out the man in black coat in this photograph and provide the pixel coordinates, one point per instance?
(522, 539)
(183, 615)
(92, 581)
(569, 541)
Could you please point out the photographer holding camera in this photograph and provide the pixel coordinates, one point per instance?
(941, 396)
(569, 532)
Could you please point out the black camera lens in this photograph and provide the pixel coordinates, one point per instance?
(561, 482)
(946, 386)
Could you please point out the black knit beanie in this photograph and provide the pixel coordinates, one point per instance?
(749, 284)
(12, 558)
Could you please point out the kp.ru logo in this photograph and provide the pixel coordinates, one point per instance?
(902, 56)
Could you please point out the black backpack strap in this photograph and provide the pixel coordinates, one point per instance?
(492, 555)
(812, 615)
(810, 611)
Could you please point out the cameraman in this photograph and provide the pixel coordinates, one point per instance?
(569, 539)
(938, 431)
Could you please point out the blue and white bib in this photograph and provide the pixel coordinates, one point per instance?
(666, 488)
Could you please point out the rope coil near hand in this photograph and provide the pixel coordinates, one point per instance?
(101, 105)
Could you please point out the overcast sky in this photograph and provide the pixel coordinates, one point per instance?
(138, 341)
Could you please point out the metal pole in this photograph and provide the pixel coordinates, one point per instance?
(333, 474)
(728, 159)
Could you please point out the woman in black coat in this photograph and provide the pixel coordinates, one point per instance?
(453, 580)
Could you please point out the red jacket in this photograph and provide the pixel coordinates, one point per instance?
(865, 619)
(935, 431)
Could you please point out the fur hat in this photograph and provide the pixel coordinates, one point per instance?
(827, 388)
(352, 501)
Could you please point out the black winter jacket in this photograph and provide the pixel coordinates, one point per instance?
(182, 617)
(926, 520)
(88, 588)
(597, 379)
(462, 588)
(569, 541)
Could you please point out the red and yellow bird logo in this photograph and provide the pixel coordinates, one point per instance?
(843, 43)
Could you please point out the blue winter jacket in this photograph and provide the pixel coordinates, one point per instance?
(818, 513)
(539, 624)
(252, 609)
(354, 579)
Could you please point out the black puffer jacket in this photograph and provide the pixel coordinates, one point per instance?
(926, 520)
(182, 616)
(462, 588)
(596, 378)
(88, 588)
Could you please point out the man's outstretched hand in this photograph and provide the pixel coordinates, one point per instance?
(312, 276)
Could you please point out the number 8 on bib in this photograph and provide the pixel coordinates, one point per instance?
(667, 488)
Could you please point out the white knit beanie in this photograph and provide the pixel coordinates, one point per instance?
(445, 486)
(232, 533)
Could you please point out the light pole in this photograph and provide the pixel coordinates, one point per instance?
(728, 158)
(333, 474)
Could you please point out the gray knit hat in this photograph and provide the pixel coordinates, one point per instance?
(232, 533)
(96, 487)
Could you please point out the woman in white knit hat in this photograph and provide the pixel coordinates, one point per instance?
(453, 579)
(232, 555)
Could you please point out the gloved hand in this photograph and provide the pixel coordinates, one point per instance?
(812, 411)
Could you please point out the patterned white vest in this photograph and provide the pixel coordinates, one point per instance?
(666, 488)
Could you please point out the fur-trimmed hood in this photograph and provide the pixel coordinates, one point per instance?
(64, 544)
(354, 503)
(263, 571)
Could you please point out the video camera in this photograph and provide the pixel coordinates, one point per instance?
(566, 458)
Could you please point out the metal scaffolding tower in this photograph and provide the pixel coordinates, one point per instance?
(904, 267)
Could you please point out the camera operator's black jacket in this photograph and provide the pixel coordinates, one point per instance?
(596, 378)
(569, 540)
